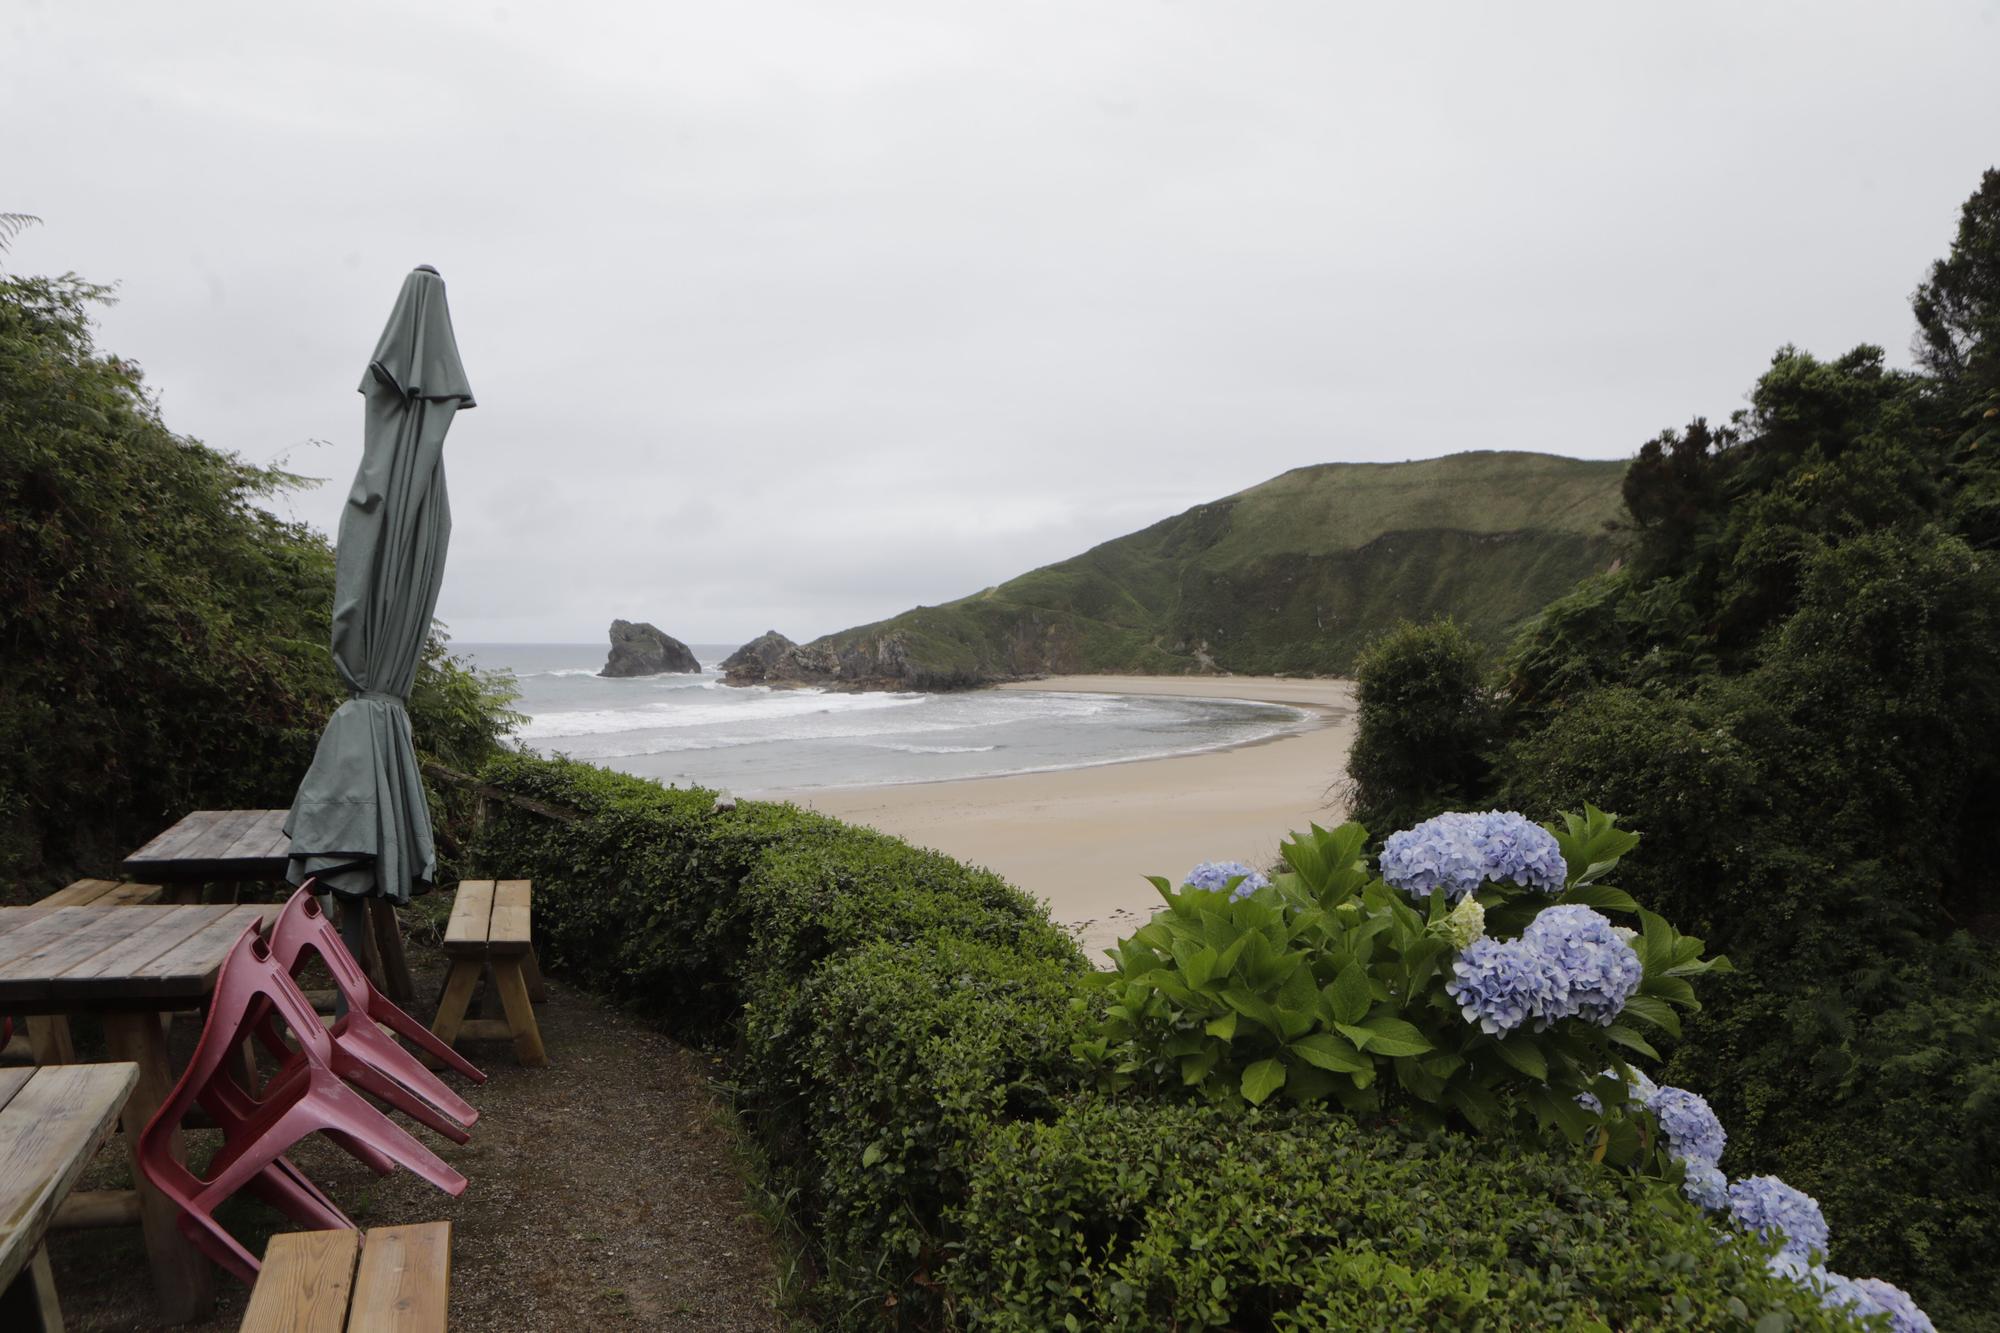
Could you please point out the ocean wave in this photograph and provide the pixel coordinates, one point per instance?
(932, 749)
(670, 715)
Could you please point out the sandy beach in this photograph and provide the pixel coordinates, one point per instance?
(1083, 839)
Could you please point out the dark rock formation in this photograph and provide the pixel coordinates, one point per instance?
(868, 662)
(644, 650)
(751, 664)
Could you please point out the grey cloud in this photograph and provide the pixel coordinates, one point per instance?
(797, 314)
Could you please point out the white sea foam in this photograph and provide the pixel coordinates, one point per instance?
(933, 749)
(667, 714)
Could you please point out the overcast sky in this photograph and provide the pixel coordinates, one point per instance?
(800, 314)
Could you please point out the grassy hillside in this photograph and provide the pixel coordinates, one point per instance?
(1293, 575)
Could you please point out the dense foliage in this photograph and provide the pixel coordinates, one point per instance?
(163, 639)
(905, 1031)
(1792, 687)
(1424, 722)
(1140, 1215)
(1472, 976)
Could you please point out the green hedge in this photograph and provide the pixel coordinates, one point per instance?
(902, 1027)
(1146, 1216)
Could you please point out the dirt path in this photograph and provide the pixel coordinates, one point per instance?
(605, 1194)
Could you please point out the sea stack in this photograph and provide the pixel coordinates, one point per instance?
(752, 663)
(646, 650)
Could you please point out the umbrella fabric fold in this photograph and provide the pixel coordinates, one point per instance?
(360, 820)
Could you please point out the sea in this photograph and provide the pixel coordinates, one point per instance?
(692, 730)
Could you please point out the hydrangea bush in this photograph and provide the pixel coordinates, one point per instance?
(1478, 972)
(1477, 968)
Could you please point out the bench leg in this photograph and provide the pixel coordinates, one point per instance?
(531, 971)
(458, 988)
(183, 1279)
(520, 1013)
(48, 1038)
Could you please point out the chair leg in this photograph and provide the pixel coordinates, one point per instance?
(520, 1013)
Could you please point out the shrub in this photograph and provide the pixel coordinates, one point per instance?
(1139, 1215)
(1424, 722)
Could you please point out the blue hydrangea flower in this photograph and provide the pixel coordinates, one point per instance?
(1599, 970)
(1501, 984)
(1773, 1209)
(1458, 852)
(1706, 1185)
(1879, 1297)
(1865, 1296)
(1694, 1132)
(1215, 876)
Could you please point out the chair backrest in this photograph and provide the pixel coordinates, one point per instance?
(250, 987)
(302, 925)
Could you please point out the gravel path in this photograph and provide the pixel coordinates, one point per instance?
(606, 1194)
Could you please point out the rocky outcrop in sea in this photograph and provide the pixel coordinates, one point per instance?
(646, 650)
(868, 662)
(753, 662)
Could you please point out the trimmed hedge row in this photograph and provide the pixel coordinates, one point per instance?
(903, 1027)
(1143, 1216)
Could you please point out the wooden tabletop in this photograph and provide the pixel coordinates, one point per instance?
(215, 845)
(53, 1119)
(59, 960)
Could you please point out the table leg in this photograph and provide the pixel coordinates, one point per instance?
(30, 1302)
(182, 1275)
(49, 1039)
(396, 982)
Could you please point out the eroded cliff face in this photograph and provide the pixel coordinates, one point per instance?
(646, 650)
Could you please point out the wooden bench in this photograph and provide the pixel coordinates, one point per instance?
(390, 1280)
(48, 1034)
(52, 1121)
(489, 935)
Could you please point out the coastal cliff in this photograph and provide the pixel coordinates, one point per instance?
(1292, 576)
(645, 650)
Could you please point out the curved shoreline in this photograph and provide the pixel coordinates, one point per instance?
(1083, 839)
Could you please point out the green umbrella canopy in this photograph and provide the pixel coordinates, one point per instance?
(360, 821)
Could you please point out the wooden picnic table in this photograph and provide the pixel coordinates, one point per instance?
(128, 965)
(221, 845)
(246, 846)
(53, 1119)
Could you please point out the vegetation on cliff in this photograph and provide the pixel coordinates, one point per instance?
(1793, 689)
(1293, 575)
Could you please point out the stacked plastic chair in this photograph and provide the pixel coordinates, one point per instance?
(317, 1088)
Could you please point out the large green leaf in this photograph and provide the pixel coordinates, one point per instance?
(1261, 1080)
(1631, 1040)
(1330, 1052)
(1349, 994)
(1388, 1035)
(1525, 1054)
(1652, 1009)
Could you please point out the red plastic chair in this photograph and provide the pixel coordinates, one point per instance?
(303, 927)
(304, 1098)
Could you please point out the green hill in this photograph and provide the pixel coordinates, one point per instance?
(1293, 575)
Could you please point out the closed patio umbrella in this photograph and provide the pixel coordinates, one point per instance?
(360, 821)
